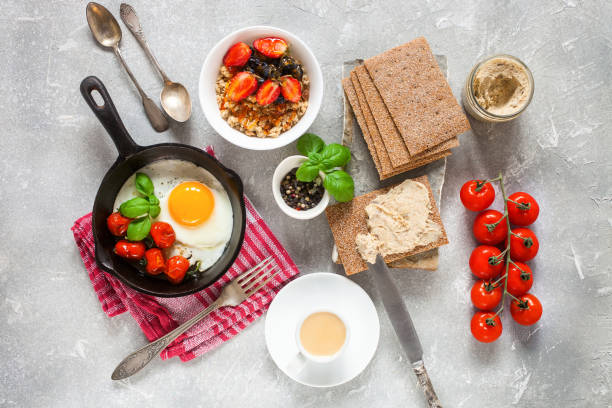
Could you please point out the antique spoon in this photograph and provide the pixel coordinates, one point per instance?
(174, 96)
(107, 32)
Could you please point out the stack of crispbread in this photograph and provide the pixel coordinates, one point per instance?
(405, 108)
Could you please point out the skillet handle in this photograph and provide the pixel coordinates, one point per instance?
(107, 115)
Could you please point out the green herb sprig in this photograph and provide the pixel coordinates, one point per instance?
(142, 208)
(327, 159)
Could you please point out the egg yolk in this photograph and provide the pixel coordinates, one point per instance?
(191, 203)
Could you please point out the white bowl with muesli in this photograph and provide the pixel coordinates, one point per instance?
(275, 110)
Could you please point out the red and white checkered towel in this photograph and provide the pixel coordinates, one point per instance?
(157, 316)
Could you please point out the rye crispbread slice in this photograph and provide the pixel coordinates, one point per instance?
(386, 170)
(426, 260)
(351, 95)
(392, 139)
(349, 219)
(417, 95)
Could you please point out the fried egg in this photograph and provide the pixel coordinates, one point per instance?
(194, 202)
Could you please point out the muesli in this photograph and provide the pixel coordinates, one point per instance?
(261, 90)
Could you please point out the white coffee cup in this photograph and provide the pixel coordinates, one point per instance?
(303, 357)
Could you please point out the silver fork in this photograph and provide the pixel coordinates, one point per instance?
(233, 294)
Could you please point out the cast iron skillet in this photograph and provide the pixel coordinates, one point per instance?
(131, 158)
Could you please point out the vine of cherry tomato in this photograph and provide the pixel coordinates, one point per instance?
(501, 272)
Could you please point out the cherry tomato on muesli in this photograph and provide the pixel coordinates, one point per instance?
(477, 195)
(524, 244)
(490, 219)
(130, 250)
(486, 327)
(485, 296)
(117, 224)
(163, 234)
(520, 279)
(155, 261)
(525, 212)
(486, 262)
(526, 310)
(176, 268)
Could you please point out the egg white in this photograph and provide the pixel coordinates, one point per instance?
(205, 242)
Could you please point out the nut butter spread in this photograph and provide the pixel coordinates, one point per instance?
(501, 86)
(398, 222)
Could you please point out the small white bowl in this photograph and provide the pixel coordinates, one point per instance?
(281, 171)
(208, 96)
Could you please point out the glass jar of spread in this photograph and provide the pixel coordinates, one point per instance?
(498, 89)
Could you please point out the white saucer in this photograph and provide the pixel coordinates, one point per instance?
(323, 291)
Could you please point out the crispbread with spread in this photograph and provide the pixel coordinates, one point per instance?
(417, 95)
(347, 220)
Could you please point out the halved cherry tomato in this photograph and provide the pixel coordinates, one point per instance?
(527, 310)
(268, 92)
(524, 244)
(272, 47)
(485, 296)
(486, 262)
(117, 224)
(237, 55)
(476, 195)
(524, 213)
(163, 234)
(291, 88)
(155, 261)
(130, 250)
(520, 279)
(176, 268)
(486, 327)
(242, 85)
(490, 219)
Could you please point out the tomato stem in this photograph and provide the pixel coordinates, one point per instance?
(506, 251)
(521, 206)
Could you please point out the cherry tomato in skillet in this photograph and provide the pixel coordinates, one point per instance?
(524, 244)
(486, 220)
(117, 224)
(476, 195)
(486, 327)
(527, 310)
(176, 268)
(520, 279)
(485, 296)
(163, 234)
(485, 262)
(524, 213)
(130, 250)
(156, 263)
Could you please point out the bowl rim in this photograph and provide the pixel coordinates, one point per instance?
(250, 142)
(283, 166)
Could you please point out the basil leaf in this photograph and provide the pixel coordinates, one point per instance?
(144, 185)
(310, 143)
(335, 155)
(307, 171)
(134, 207)
(153, 200)
(139, 229)
(340, 185)
(315, 158)
(154, 211)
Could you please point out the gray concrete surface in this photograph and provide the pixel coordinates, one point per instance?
(58, 348)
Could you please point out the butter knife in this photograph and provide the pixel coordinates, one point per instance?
(404, 328)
